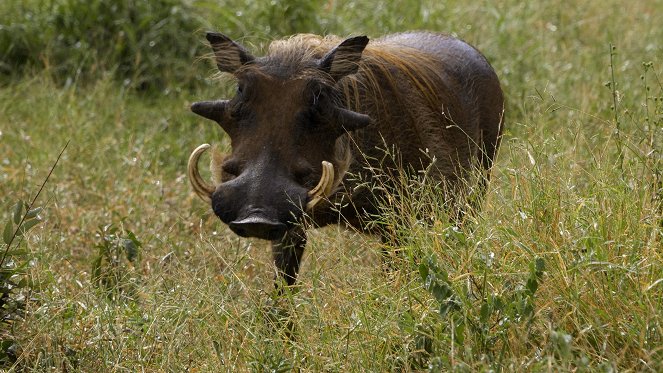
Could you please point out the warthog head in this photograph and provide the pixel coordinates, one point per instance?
(285, 125)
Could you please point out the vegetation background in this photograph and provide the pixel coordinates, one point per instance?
(122, 269)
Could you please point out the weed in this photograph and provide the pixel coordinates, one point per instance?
(146, 44)
(117, 254)
(15, 285)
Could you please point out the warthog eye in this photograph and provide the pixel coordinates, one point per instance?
(239, 109)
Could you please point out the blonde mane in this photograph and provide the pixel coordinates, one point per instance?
(383, 65)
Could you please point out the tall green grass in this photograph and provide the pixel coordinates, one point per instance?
(561, 270)
(144, 44)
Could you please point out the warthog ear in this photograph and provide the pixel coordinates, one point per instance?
(229, 55)
(344, 59)
(349, 120)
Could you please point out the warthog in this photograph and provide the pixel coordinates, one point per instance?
(317, 109)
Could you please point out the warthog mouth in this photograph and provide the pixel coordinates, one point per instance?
(205, 190)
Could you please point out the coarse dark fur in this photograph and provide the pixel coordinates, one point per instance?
(430, 96)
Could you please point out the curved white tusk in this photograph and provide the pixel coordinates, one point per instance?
(200, 187)
(324, 187)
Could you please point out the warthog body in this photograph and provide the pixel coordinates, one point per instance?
(315, 110)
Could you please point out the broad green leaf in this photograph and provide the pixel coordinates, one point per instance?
(17, 252)
(18, 211)
(33, 213)
(131, 249)
(28, 225)
(540, 266)
(460, 331)
(532, 285)
(498, 303)
(441, 292)
(484, 313)
(406, 322)
(8, 232)
(445, 307)
(23, 283)
(528, 309)
(423, 271)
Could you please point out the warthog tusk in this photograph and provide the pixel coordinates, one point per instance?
(202, 189)
(324, 187)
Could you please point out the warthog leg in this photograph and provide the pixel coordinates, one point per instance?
(287, 253)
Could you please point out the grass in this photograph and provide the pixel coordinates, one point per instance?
(562, 269)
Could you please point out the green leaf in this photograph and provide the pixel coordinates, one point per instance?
(460, 331)
(563, 343)
(445, 307)
(18, 211)
(8, 232)
(218, 351)
(423, 271)
(532, 285)
(540, 266)
(528, 309)
(28, 225)
(497, 303)
(484, 313)
(17, 252)
(33, 213)
(131, 249)
(441, 292)
(406, 322)
(23, 283)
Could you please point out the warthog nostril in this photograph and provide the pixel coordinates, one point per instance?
(258, 226)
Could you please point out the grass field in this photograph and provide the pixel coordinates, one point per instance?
(561, 271)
